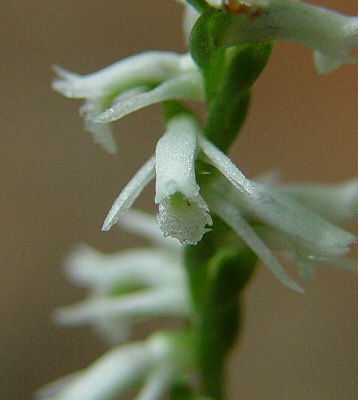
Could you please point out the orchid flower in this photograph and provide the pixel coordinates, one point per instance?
(330, 34)
(287, 220)
(154, 364)
(129, 85)
(183, 214)
(127, 286)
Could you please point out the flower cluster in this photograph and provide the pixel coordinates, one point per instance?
(126, 288)
(184, 211)
(195, 181)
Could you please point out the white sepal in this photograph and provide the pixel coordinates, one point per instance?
(129, 194)
(230, 214)
(223, 163)
(312, 234)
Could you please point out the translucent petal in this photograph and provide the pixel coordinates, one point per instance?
(313, 234)
(336, 203)
(101, 133)
(231, 215)
(164, 301)
(129, 194)
(187, 86)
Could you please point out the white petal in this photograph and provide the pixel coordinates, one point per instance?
(101, 133)
(231, 215)
(183, 214)
(336, 203)
(314, 235)
(166, 301)
(187, 86)
(107, 378)
(223, 163)
(146, 225)
(129, 194)
(137, 267)
(146, 68)
(113, 331)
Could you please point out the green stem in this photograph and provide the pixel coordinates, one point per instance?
(218, 271)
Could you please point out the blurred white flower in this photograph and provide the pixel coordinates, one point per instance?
(127, 86)
(129, 286)
(153, 365)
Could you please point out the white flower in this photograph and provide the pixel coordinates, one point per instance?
(277, 219)
(183, 214)
(285, 221)
(128, 286)
(154, 364)
(127, 86)
(331, 35)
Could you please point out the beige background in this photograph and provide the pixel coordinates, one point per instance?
(56, 187)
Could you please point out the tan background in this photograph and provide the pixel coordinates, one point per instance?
(56, 187)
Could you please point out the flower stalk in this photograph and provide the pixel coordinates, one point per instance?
(213, 224)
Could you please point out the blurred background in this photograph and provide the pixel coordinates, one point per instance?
(57, 186)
